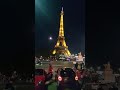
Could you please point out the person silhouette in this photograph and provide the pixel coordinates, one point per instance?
(100, 88)
(114, 87)
(9, 85)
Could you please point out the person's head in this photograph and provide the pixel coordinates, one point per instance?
(11, 81)
(114, 86)
(100, 86)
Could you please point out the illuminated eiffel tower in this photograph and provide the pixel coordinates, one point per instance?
(61, 48)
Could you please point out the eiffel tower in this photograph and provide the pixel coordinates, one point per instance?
(61, 48)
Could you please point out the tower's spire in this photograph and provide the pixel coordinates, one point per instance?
(61, 30)
(62, 8)
(62, 12)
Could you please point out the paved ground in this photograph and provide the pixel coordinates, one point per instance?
(51, 85)
(55, 64)
(20, 87)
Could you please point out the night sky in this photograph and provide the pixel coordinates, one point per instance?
(102, 35)
(47, 16)
(17, 36)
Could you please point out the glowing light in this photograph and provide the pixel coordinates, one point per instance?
(61, 42)
(59, 78)
(76, 77)
(50, 38)
(54, 51)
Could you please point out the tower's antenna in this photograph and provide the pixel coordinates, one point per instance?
(62, 8)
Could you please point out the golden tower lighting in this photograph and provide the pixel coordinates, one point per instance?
(61, 47)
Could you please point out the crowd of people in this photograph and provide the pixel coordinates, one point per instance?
(9, 80)
(15, 77)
